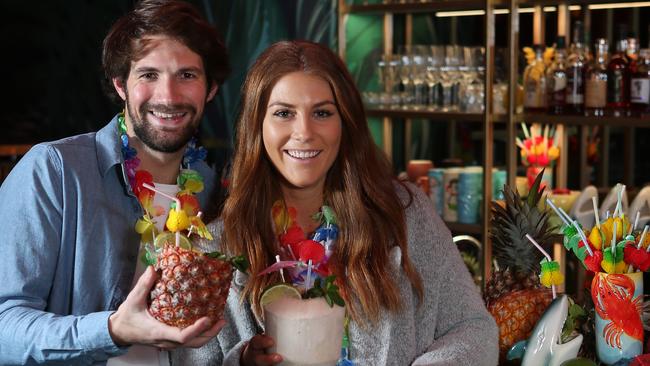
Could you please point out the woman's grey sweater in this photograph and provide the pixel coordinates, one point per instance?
(450, 327)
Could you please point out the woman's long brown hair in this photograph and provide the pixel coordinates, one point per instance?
(359, 187)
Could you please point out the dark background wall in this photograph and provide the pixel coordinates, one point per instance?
(51, 61)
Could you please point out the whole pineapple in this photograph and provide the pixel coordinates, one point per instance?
(514, 295)
(191, 285)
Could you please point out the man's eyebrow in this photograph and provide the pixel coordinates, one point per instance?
(145, 69)
(194, 69)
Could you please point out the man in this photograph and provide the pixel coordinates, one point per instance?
(72, 292)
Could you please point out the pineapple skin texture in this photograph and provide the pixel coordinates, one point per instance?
(189, 287)
(516, 313)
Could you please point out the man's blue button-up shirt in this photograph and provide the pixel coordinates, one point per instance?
(68, 249)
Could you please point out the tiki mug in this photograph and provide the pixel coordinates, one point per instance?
(618, 299)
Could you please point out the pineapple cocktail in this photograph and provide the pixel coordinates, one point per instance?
(306, 332)
(191, 284)
(304, 314)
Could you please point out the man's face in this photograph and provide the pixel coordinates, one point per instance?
(165, 95)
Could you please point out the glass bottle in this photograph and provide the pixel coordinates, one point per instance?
(535, 83)
(596, 80)
(640, 85)
(575, 97)
(556, 78)
(618, 81)
(632, 53)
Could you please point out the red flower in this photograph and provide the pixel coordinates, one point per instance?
(592, 262)
(311, 250)
(294, 235)
(638, 258)
(141, 177)
(189, 204)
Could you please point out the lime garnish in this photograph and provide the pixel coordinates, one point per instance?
(169, 238)
(277, 292)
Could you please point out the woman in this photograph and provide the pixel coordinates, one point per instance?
(303, 139)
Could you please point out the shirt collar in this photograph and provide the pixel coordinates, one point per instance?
(109, 147)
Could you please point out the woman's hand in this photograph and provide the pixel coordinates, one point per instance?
(254, 353)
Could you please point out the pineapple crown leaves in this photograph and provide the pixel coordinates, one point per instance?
(239, 262)
(510, 224)
(326, 289)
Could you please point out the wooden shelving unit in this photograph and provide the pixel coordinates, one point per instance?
(432, 115)
(639, 122)
(457, 227)
(416, 7)
(488, 119)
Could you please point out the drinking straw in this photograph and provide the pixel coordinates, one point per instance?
(614, 242)
(520, 143)
(178, 206)
(556, 141)
(645, 231)
(189, 232)
(277, 259)
(593, 200)
(638, 246)
(523, 126)
(619, 196)
(607, 215)
(551, 134)
(548, 257)
(560, 212)
(641, 239)
(308, 279)
(583, 237)
(636, 221)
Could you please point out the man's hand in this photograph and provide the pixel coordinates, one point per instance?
(132, 323)
(254, 354)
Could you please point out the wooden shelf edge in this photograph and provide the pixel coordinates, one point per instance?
(426, 114)
(447, 5)
(458, 228)
(584, 121)
(525, 3)
(418, 7)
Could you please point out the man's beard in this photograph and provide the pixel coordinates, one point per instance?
(155, 139)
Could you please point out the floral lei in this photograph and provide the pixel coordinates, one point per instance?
(307, 258)
(189, 181)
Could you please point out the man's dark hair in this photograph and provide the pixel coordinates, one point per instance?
(126, 41)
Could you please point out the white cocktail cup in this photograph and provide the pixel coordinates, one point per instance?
(306, 332)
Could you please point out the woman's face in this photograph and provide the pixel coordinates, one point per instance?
(302, 130)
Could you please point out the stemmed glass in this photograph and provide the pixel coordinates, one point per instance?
(435, 60)
(418, 75)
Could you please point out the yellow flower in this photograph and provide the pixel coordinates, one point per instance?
(596, 238)
(551, 278)
(177, 221)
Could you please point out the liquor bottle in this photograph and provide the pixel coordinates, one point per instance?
(556, 78)
(640, 85)
(535, 83)
(632, 53)
(618, 81)
(596, 80)
(575, 91)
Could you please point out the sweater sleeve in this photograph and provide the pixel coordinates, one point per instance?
(465, 333)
